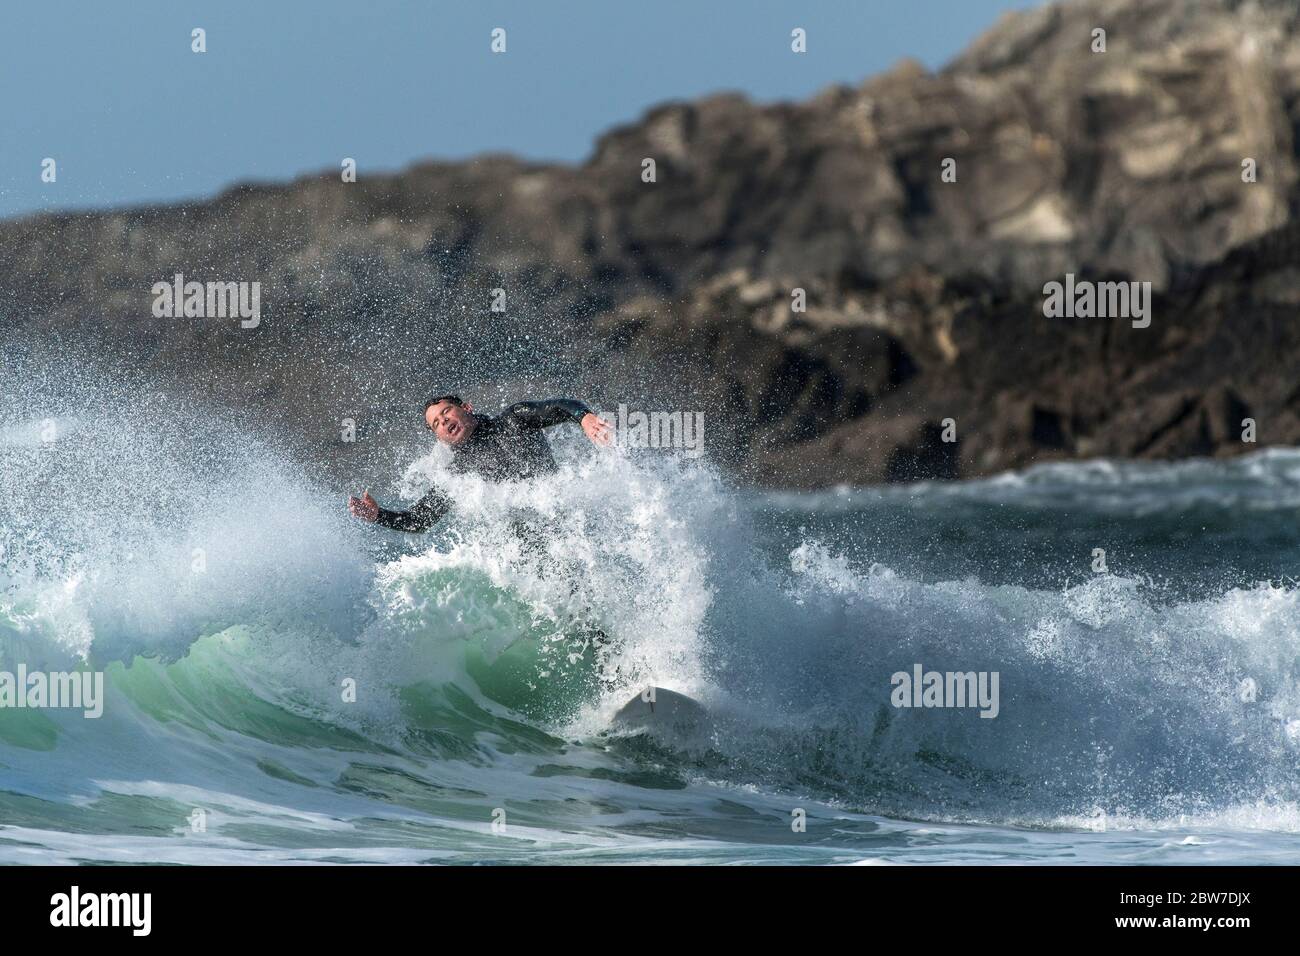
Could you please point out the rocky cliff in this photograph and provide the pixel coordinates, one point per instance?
(924, 296)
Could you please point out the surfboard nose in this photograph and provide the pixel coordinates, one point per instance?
(661, 710)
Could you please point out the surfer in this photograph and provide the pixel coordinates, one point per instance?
(505, 447)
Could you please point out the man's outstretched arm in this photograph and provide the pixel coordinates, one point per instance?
(421, 516)
(557, 411)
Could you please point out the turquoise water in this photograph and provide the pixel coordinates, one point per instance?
(1149, 712)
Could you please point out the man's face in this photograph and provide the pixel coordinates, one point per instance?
(451, 423)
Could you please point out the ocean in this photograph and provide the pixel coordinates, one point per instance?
(286, 684)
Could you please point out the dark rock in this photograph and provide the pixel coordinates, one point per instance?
(924, 297)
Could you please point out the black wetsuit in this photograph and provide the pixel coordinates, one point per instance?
(509, 447)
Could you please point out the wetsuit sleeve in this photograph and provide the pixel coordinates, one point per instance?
(552, 411)
(421, 516)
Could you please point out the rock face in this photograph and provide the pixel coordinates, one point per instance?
(924, 297)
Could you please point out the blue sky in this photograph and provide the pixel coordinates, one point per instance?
(111, 90)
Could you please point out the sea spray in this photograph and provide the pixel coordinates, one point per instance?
(323, 690)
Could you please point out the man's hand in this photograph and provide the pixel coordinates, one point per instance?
(365, 507)
(597, 429)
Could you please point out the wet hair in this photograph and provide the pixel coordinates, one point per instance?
(454, 399)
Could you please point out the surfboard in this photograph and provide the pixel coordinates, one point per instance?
(663, 710)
